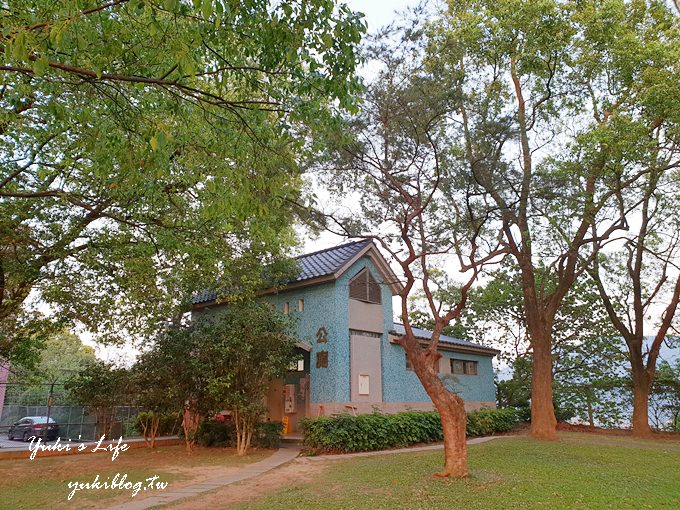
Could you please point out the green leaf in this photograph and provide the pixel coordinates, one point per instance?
(40, 65)
(207, 8)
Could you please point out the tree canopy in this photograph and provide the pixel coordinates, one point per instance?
(149, 149)
(559, 107)
(224, 360)
(62, 357)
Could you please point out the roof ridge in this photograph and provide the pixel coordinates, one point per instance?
(344, 245)
(424, 329)
(457, 341)
(427, 330)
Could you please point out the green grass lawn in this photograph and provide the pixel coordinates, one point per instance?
(580, 471)
(43, 482)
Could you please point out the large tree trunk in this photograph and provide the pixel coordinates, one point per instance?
(641, 385)
(543, 422)
(451, 409)
(191, 421)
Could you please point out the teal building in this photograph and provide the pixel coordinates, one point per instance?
(352, 361)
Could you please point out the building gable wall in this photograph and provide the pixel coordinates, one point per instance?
(323, 308)
(328, 305)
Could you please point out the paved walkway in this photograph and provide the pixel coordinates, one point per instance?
(282, 456)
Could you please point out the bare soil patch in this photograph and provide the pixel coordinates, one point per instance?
(19, 487)
(300, 471)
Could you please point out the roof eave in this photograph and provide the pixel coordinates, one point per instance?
(369, 250)
(273, 290)
(486, 351)
(376, 257)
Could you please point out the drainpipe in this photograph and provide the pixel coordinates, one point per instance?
(4, 376)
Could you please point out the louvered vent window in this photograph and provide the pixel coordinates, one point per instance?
(365, 288)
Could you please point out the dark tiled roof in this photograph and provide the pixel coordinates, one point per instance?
(328, 261)
(423, 334)
(312, 265)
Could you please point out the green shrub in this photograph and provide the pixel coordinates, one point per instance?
(169, 423)
(491, 421)
(216, 433)
(563, 412)
(346, 433)
(268, 435)
(221, 433)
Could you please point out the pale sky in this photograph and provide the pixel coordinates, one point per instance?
(377, 14)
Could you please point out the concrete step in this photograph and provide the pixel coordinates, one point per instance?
(292, 439)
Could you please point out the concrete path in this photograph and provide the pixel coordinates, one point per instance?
(283, 455)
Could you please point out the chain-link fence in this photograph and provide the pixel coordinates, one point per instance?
(76, 422)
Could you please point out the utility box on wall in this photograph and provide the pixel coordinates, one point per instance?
(364, 384)
(289, 399)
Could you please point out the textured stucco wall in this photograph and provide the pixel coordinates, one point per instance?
(327, 305)
(323, 307)
(342, 289)
(401, 385)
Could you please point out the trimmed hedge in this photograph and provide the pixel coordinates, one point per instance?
(491, 421)
(346, 433)
(219, 433)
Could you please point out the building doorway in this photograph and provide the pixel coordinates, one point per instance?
(288, 397)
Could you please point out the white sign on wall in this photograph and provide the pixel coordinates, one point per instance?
(364, 384)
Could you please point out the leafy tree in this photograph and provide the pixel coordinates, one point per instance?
(152, 377)
(102, 387)
(634, 280)
(557, 105)
(62, 357)
(224, 360)
(589, 365)
(172, 372)
(394, 158)
(243, 348)
(516, 392)
(665, 396)
(21, 348)
(150, 149)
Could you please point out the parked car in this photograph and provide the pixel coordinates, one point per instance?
(31, 426)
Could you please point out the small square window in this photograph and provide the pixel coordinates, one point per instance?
(301, 305)
(322, 359)
(297, 366)
(286, 308)
(462, 367)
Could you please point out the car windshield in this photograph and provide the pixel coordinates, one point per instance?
(36, 420)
